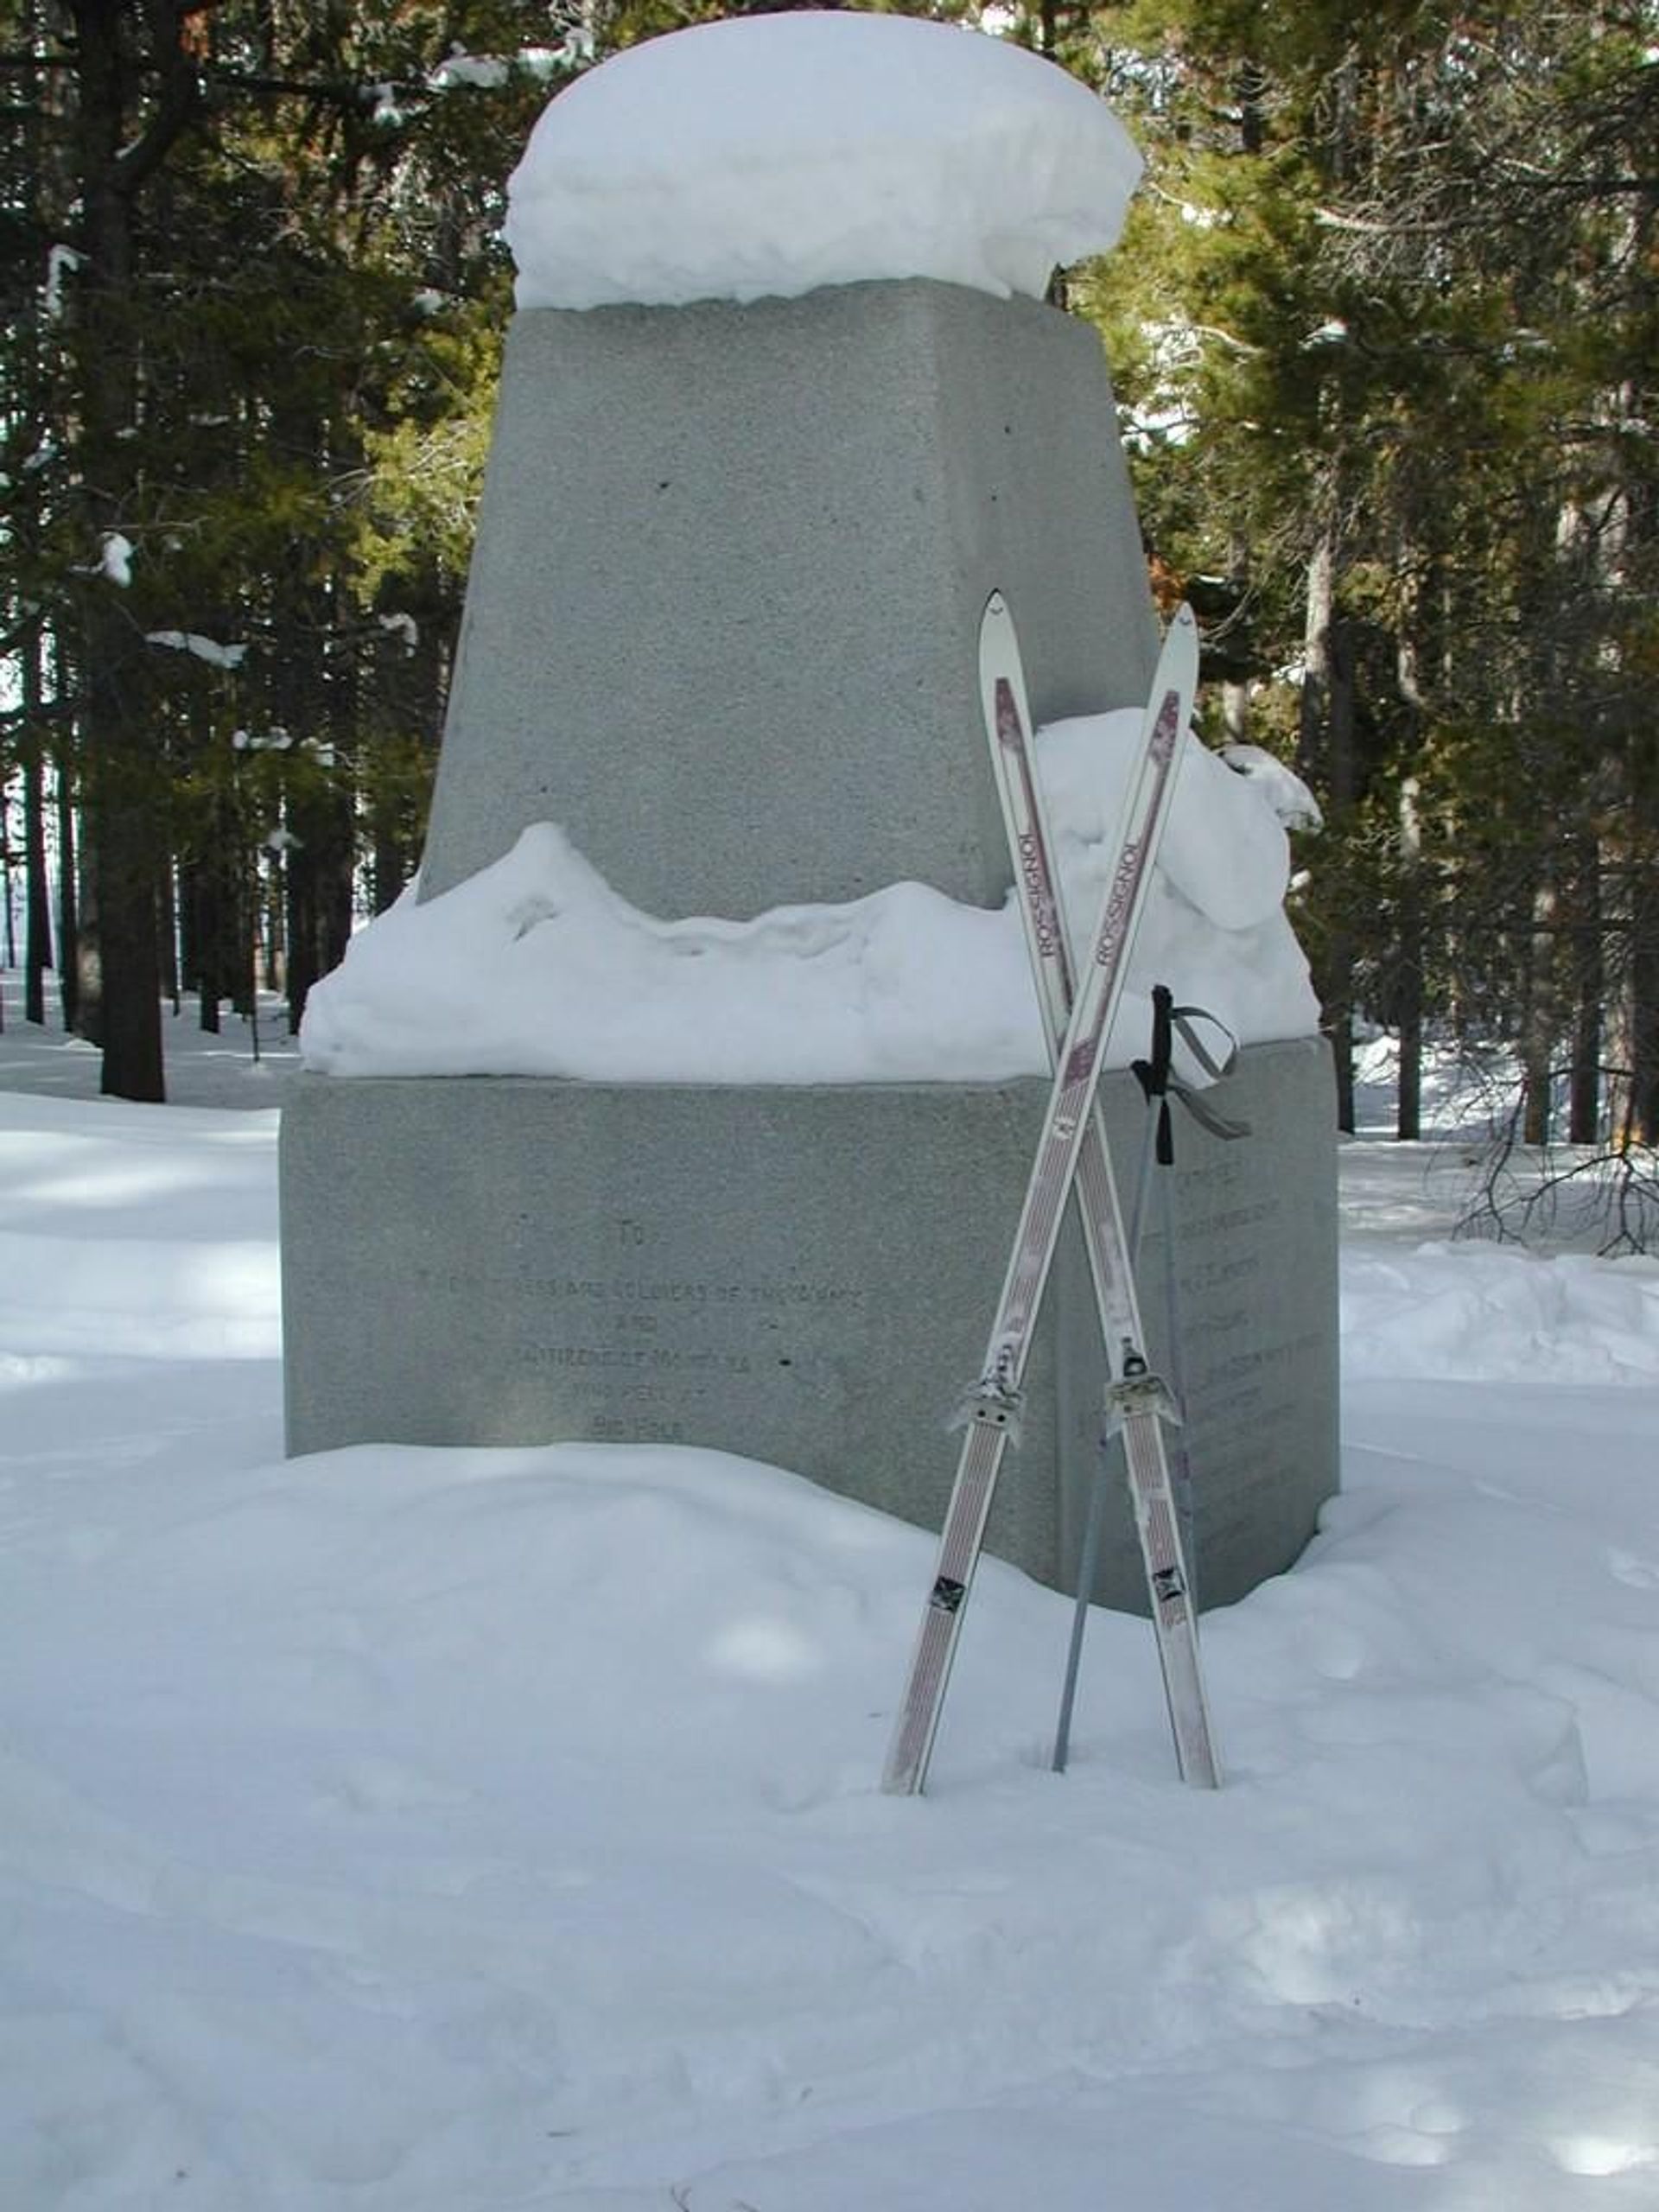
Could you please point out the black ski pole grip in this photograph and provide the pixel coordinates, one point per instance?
(1163, 1054)
(1163, 1038)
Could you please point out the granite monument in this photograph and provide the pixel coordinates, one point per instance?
(721, 625)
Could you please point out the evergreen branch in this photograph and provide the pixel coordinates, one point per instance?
(177, 106)
(1240, 346)
(341, 93)
(1332, 219)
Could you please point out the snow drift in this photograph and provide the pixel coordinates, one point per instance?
(535, 966)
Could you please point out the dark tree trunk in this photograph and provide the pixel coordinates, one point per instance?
(116, 154)
(1642, 1121)
(37, 927)
(1414, 648)
(7, 852)
(1589, 983)
(167, 929)
(216, 960)
(1409, 956)
(68, 904)
(1539, 1019)
(319, 872)
(202, 932)
(89, 961)
(1327, 759)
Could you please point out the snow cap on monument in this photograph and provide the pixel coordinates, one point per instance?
(768, 155)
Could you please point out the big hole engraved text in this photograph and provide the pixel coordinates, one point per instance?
(633, 1348)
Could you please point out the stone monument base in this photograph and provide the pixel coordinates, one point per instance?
(807, 1277)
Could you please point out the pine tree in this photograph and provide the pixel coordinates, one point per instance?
(268, 235)
(1384, 330)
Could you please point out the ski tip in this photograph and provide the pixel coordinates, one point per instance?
(1178, 660)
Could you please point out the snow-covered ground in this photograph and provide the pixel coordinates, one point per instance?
(425, 1831)
(450, 1831)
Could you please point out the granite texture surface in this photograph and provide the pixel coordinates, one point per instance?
(722, 615)
(808, 1277)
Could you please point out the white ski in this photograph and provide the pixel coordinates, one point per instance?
(992, 1409)
(1138, 1404)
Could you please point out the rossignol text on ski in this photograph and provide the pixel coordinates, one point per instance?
(1071, 1131)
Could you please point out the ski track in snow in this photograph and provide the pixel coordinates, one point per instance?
(375, 1833)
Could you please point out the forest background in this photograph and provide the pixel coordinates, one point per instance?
(1384, 332)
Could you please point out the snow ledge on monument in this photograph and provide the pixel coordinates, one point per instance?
(535, 966)
(770, 154)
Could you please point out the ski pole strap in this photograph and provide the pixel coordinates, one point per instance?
(1219, 1125)
(1181, 1020)
(1159, 1082)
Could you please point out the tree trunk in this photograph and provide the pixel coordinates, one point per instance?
(1340, 957)
(37, 927)
(1589, 982)
(89, 962)
(117, 148)
(166, 930)
(1538, 1017)
(1641, 1123)
(117, 948)
(319, 907)
(122, 806)
(1408, 988)
(202, 933)
(216, 962)
(68, 904)
(7, 851)
(1327, 761)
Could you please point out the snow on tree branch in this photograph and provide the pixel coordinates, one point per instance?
(207, 649)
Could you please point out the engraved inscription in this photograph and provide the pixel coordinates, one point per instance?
(637, 1352)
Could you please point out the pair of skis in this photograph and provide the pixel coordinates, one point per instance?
(1071, 1152)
